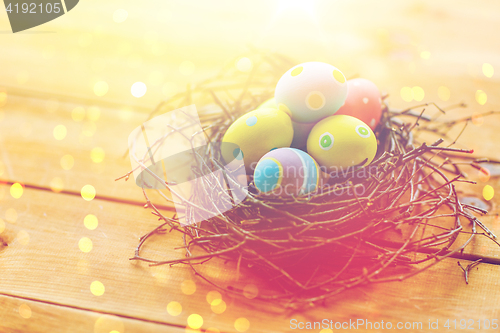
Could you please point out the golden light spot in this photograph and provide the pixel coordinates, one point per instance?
(418, 93)
(481, 97)
(60, 132)
(250, 291)
(425, 54)
(93, 113)
(97, 288)
(190, 330)
(241, 324)
(477, 119)
(89, 128)
(488, 192)
(88, 192)
(3, 98)
(244, 64)
(78, 113)
(338, 76)
(488, 70)
(25, 311)
(56, 184)
(23, 237)
(101, 88)
(326, 330)
(296, 71)
(444, 93)
(90, 221)
(2, 226)
(109, 324)
(188, 287)
(214, 297)
(11, 215)
(97, 155)
(315, 100)
(195, 321)
(25, 129)
(174, 308)
(218, 306)
(284, 108)
(138, 89)
(406, 94)
(85, 244)
(52, 105)
(120, 15)
(212, 330)
(16, 190)
(186, 67)
(67, 162)
(85, 39)
(22, 77)
(155, 78)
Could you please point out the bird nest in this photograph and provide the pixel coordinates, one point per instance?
(384, 222)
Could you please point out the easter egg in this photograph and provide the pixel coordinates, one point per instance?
(270, 103)
(363, 102)
(311, 91)
(287, 172)
(256, 133)
(339, 142)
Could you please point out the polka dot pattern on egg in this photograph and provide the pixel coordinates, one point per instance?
(251, 121)
(363, 131)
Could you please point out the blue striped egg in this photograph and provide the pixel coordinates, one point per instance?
(287, 172)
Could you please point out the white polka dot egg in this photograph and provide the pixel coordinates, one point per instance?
(256, 133)
(311, 91)
(341, 141)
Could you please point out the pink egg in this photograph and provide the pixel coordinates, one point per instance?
(363, 102)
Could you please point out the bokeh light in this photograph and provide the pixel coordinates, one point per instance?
(213, 297)
(250, 291)
(67, 162)
(326, 330)
(97, 155)
(101, 88)
(90, 222)
(60, 132)
(16, 190)
(174, 308)
(97, 288)
(78, 113)
(481, 97)
(56, 184)
(138, 89)
(187, 67)
(418, 93)
(244, 64)
(188, 287)
(218, 306)
(25, 311)
(488, 192)
(11, 215)
(93, 113)
(89, 128)
(406, 94)
(120, 15)
(88, 192)
(488, 70)
(242, 324)
(425, 54)
(109, 324)
(195, 321)
(85, 244)
(444, 93)
(477, 119)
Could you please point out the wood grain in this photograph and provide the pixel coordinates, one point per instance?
(43, 262)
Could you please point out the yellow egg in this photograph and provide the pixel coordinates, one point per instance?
(339, 142)
(256, 133)
(270, 103)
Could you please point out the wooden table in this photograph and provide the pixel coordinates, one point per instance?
(57, 275)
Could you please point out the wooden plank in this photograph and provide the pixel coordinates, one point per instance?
(24, 315)
(43, 262)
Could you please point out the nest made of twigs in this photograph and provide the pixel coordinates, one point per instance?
(366, 227)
